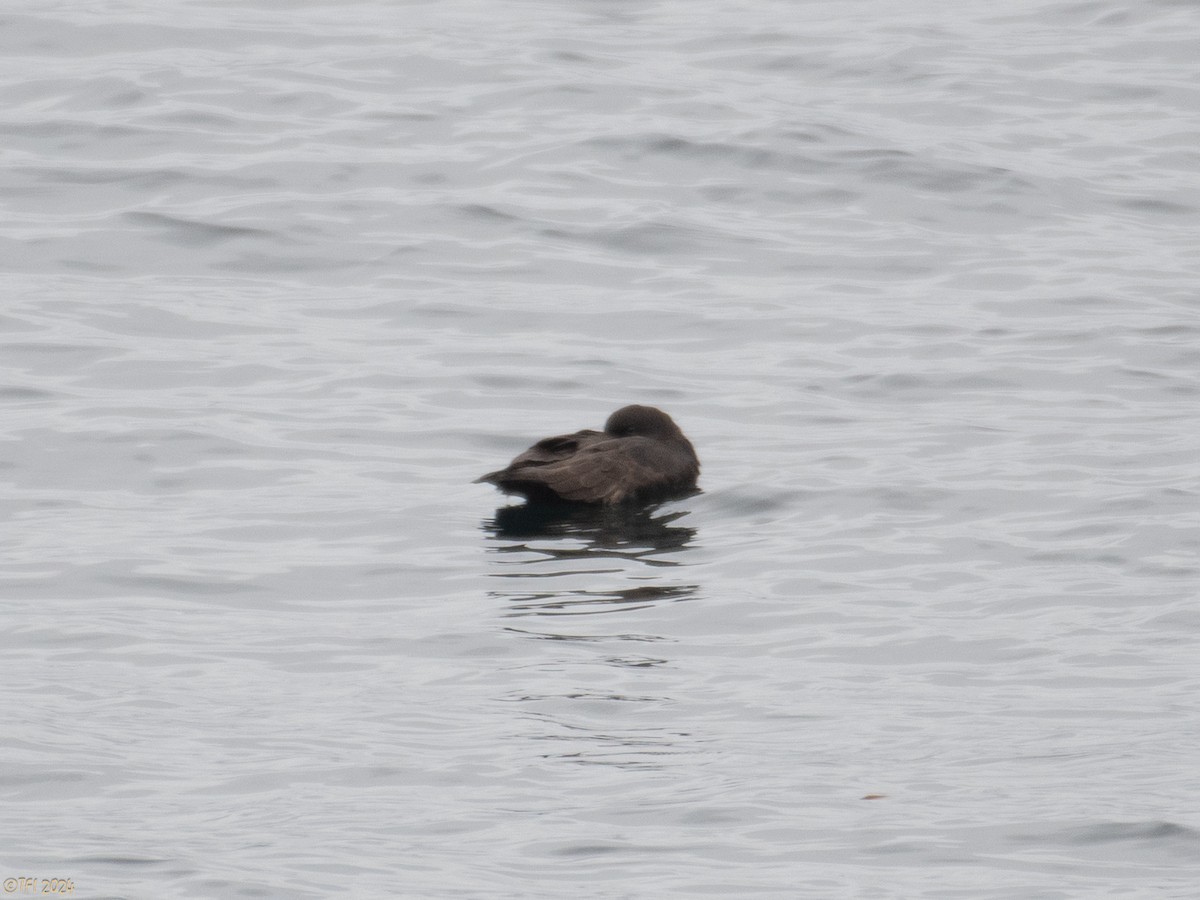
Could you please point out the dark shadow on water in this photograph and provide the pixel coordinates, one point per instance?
(590, 532)
(586, 602)
(585, 583)
(555, 547)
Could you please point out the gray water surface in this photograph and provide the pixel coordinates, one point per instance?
(920, 283)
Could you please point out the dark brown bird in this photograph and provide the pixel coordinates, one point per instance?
(640, 455)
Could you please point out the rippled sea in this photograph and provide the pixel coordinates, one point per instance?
(921, 283)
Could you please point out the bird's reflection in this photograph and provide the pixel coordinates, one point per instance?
(581, 586)
(584, 602)
(589, 532)
(561, 545)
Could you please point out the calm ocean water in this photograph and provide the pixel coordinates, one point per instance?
(921, 283)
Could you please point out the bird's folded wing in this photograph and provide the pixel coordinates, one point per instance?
(606, 472)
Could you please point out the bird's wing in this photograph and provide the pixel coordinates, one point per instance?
(544, 452)
(607, 471)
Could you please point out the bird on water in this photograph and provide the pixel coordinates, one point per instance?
(641, 455)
